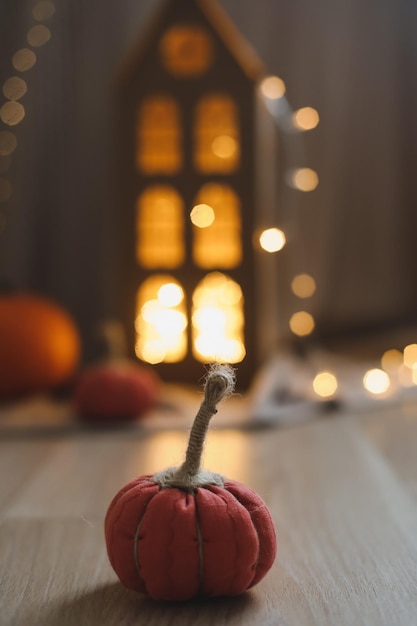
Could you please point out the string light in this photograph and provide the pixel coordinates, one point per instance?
(12, 113)
(24, 60)
(376, 381)
(43, 10)
(410, 355)
(38, 35)
(303, 285)
(302, 323)
(273, 87)
(272, 240)
(391, 360)
(306, 118)
(325, 384)
(202, 215)
(303, 179)
(14, 88)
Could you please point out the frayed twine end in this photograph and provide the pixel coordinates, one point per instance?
(219, 383)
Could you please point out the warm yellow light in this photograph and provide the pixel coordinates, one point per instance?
(376, 381)
(169, 322)
(12, 113)
(170, 294)
(224, 146)
(272, 87)
(325, 384)
(219, 348)
(149, 310)
(202, 215)
(161, 321)
(303, 285)
(24, 59)
(391, 360)
(209, 319)
(405, 376)
(410, 355)
(14, 88)
(152, 352)
(218, 320)
(272, 240)
(306, 118)
(38, 35)
(302, 323)
(303, 179)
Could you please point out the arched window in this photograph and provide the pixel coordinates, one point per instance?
(160, 228)
(216, 135)
(161, 320)
(218, 245)
(159, 136)
(217, 320)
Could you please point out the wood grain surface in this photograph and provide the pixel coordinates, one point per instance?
(342, 491)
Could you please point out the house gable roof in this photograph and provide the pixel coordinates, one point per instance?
(217, 18)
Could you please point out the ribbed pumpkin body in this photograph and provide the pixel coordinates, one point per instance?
(175, 545)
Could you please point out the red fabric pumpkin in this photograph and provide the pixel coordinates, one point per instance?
(185, 532)
(117, 390)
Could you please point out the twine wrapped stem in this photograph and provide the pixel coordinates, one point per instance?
(219, 384)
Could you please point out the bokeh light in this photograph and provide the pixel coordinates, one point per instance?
(376, 381)
(325, 384)
(38, 35)
(391, 360)
(272, 239)
(202, 215)
(43, 10)
(410, 355)
(303, 179)
(12, 113)
(23, 60)
(272, 87)
(306, 118)
(302, 323)
(14, 88)
(303, 285)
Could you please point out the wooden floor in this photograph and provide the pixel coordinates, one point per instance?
(342, 491)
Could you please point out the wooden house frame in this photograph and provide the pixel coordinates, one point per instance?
(193, 68)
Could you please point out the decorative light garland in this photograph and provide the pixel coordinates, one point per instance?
(12, 112)
(399, 368)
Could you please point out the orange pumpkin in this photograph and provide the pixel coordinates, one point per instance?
(39, 344)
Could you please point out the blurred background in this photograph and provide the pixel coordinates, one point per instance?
(353, 61)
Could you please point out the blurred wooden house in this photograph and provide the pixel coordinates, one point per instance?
(196, 170)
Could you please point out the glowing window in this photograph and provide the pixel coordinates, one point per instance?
(219, 245)
(161, 321)
(216, 135)
(217, 320)
(159, 136)
(186, 51)
(160, 228)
